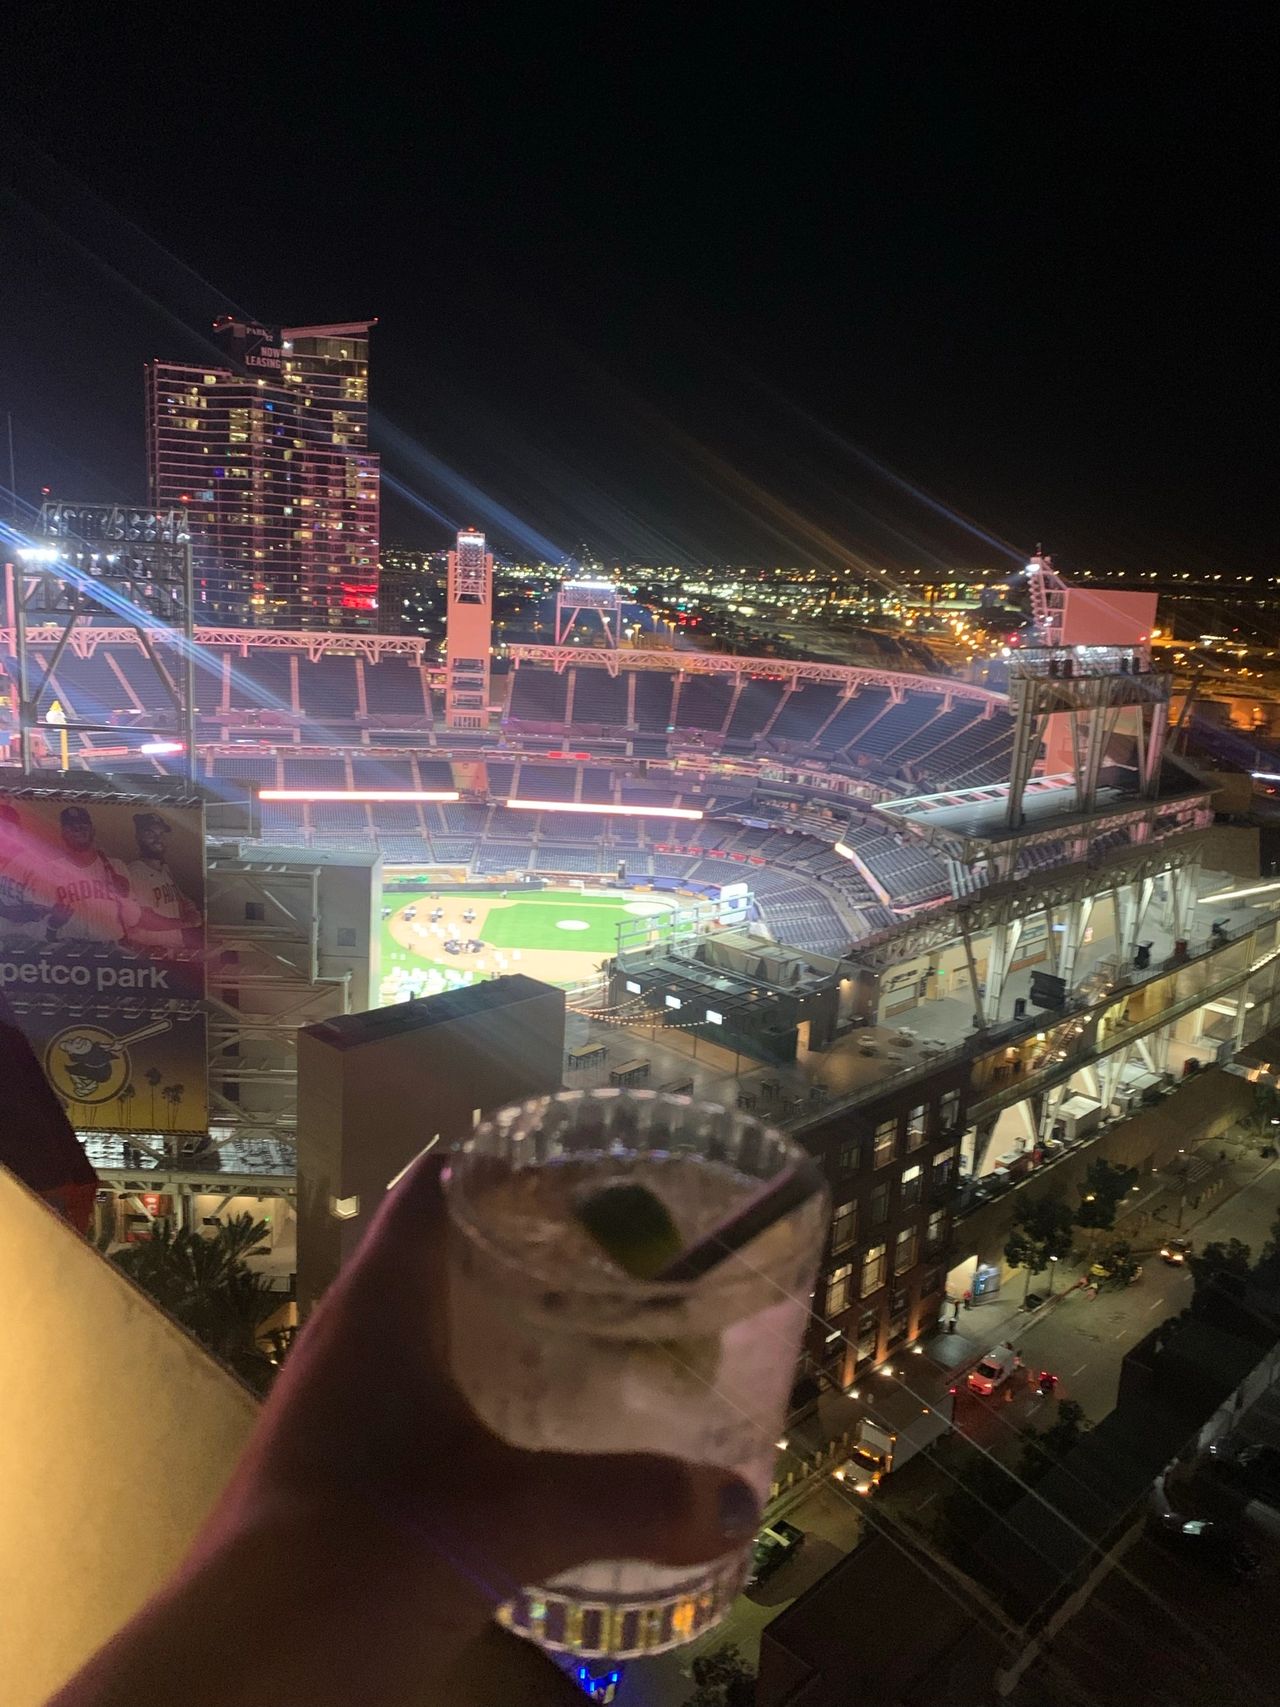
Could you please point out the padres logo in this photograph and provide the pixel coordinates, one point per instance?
(85, 1063)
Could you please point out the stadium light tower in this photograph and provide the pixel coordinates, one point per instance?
(469, 631)
(92, 570)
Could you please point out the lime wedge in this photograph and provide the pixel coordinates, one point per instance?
(631, 1226)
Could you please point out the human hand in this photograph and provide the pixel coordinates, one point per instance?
(373, 1522)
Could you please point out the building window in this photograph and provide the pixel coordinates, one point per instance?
(872, 1269)
(912, 1186)
(849, 1156)
(868, 1334)
(943, 1168)
(885, 1142)
(904, 1253)
(899, 1310)
(936, 1236)
(255, 912)
(839, 1289)
(880, 1204)
(844, 1226)
(917, 1125)
(949, 1110)
(931, 1283)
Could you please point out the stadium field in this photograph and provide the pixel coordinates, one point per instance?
(559, 935)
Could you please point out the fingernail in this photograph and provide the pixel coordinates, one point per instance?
(739, 1511)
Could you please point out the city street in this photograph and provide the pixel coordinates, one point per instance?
(1082, 1338)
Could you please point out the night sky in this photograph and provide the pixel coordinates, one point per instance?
(683, 287)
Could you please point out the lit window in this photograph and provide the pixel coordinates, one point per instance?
(885, 1142)
(912, 1186)
(916, 1127)
(873, 1264)
(904, 1254)
(936, 1237)
(844, 1224)
(839, 1289)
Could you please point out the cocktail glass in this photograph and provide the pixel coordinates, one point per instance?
(557, 1348)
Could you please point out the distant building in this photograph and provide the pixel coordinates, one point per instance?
(411, 591)
(269, 456)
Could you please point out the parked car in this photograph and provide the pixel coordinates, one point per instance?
(1251, 1465)
(1175, 1251)
(994, 1370)
(775, 1544)
(1215, 1547)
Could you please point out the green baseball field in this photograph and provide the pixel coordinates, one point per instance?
(558, 935)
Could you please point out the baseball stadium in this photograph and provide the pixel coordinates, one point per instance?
(967, 929)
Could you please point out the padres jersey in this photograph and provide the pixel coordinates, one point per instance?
(153, 886)
(96, 895)
(21, 886)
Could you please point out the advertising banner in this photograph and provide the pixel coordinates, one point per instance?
(102, 956)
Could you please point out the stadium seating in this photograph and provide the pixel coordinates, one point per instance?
(538, 696)
(899, 722)
(314, 773)
(852, 718)
(262, 679)
(757, 703)
(804, 712)
(557, 857)
(393, 687)
(653, 701)
(599, 698)
(703, 703)
(327, 688)
(546, 782)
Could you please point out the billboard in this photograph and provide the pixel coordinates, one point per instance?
(1101, 616)
(102, 956)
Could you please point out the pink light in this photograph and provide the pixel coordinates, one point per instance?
(604, 811)
(358, 794)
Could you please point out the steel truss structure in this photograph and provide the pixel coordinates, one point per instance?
(91, 561)
(1101, 692)
(85, 642)
(1142, 820)
(256, 1011)
(1010, 902)
(793, 671)
(601, 598)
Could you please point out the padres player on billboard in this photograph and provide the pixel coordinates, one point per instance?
(27, 907)
(167, 919)
(88, 885)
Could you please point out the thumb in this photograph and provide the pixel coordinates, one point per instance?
(629, 1505)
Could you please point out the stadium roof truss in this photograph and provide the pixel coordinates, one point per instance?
(1007, 902)
(791, 670)
(983, 839)
(84, 642)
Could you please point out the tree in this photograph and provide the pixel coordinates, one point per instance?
(153, 1076)
(1046, 1447)
(1222, 1263)
(1041, 1232)
(207, 1285)
(1105, 1186)
(1120, 1263)
(723, 1679)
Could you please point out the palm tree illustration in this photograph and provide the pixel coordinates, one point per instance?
(153, 1077)
(173, 1095)
(127, 1093)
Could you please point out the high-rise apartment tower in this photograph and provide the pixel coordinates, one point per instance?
(269, 455)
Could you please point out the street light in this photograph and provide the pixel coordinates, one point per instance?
(1052, 1260)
